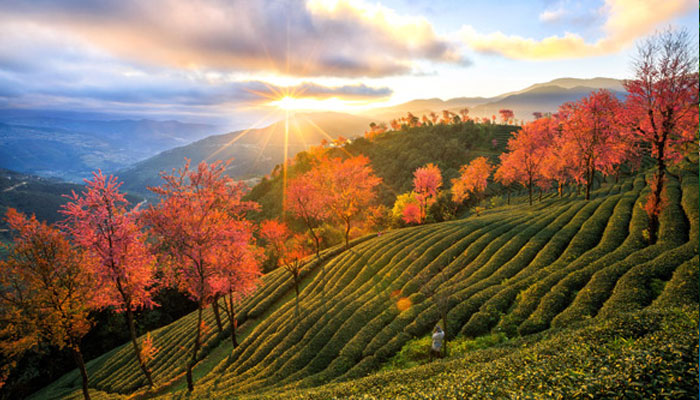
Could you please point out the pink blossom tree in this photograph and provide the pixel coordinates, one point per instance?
(100, 222)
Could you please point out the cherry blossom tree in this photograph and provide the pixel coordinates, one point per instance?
(240, 273)
(662, 105)
(427, 182)
(591, 129)
(100, 222)
(305, 200)
(199, 224)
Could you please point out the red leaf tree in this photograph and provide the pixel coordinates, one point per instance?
(199, 223)
(427, 182)
(506, 173)
(592, 133)
(411, 213)
(558, 165)
(240, 272)
(506, 115)
(662, 105)
(99, 222)
(472, 180)
(47, 292)
(526, 153)
(290, 251)
(407, 208)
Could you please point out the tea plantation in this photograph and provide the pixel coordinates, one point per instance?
(591, 310)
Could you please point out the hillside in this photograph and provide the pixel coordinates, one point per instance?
(394, 156)
(518, 270)
(31, 194)
(255, 152)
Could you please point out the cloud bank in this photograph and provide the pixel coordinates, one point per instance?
(339, 38)
(625, 22)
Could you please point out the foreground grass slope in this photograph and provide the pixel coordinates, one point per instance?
(530, 272)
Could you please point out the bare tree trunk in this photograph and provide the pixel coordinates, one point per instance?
(217, 317)
(137, 349)
(529, 187)
(78, 357)
(232, 320)
(561, 190)
(589, 182)
(657, 192)
(508, 196)
(347, 234)
(317, 241)
(195, 349)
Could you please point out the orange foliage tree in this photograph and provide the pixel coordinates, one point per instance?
(349, 187)
(46, 292)
(526, 153)
(472, 181)
(290, 251)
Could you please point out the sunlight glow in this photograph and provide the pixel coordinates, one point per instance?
(291, 103)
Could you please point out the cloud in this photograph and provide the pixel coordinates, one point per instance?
(337, 38)
(164, 89)
(552, 15)
(625, 22)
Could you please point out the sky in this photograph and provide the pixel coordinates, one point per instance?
(241, 62)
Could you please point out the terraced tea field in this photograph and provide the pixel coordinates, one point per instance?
(551, 276)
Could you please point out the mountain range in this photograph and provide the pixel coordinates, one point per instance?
(71, 149)
(70, 146)
(542, 97)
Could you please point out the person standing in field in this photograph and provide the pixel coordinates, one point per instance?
(436, 348)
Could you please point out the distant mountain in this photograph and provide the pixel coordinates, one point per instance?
(71, 148)
(543, 97)
(425, 106)
(255, 152)
(569, 83)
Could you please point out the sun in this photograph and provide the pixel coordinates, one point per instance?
(287, 103)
